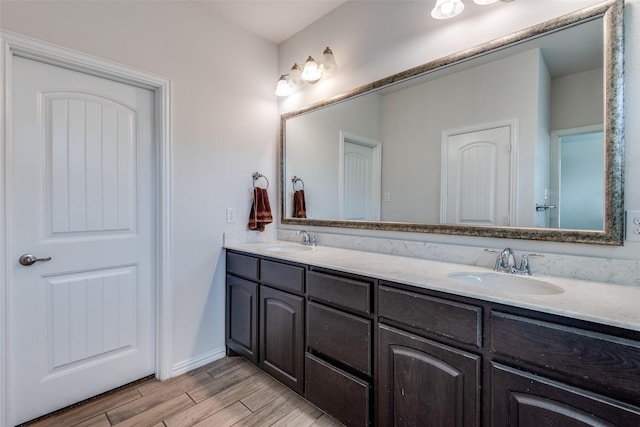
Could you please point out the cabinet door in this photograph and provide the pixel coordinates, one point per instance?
(526, 400)
(282, 336)
(425, 383)
(242, 319)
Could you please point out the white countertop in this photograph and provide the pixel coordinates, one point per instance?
(615, 305)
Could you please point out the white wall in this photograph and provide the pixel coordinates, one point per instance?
(388, 37)
(225, 116)
(576, 100)
(413, 120)
(225, 127)
(313, 151)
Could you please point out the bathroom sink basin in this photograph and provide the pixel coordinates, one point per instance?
(507, 283)
(288, 248)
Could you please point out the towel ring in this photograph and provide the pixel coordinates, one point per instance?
(257, 176)
(296, 180)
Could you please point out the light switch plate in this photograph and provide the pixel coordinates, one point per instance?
(231, 215)
(633, 226)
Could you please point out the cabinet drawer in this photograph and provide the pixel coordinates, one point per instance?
(340, 336)
(342, 292)
(243, 265)
(283, 276)
(591, 359)
(343, 396)
(436, 316)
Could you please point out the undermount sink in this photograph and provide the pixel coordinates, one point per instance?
(507, 283)
(289, 248)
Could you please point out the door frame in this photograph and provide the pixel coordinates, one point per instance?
(513, 177)
(12, 45)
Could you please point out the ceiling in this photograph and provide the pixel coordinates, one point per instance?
(278, 20)
(272, 20)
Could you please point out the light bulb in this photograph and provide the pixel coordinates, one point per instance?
(445, 9)
(283, 88)
(311, 73)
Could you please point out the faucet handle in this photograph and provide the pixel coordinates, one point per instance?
(524, 263)
(305, 236)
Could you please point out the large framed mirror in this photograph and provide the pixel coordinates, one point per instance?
(520, 138)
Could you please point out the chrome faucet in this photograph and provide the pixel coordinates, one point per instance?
(506, 262)
(307, 239)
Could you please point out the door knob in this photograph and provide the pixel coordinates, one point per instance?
(28, 259)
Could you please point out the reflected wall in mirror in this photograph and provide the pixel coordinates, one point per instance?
(521, 137)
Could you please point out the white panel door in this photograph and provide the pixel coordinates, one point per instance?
(478, 177)
(81, 193)
(357, 181)
(360, 178)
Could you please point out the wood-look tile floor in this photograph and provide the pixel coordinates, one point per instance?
(227, 392)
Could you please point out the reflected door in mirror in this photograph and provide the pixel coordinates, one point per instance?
(360, 178)
(477, 165)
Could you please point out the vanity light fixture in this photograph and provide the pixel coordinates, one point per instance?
(445, 9)
(283, 88)
(295, 74)
(311, 73)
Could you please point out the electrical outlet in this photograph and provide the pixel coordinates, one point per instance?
(633, 226)
(231, 215)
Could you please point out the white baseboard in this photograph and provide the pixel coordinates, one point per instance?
(201, 360)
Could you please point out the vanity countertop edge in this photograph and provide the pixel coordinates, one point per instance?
(604, 303)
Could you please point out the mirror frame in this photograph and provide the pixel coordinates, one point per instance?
(612, 12)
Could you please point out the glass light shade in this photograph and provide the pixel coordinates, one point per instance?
(283, 88)
(483, 2)
(294, 74)
(311, 72)
(328, 61)
(445, 9)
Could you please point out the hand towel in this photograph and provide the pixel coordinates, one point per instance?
(260, 210)
(299, 205)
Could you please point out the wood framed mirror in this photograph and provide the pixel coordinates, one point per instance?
(485, 142)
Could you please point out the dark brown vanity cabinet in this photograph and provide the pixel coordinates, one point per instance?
(378, 353)
(545, 373)
(523, 399)
(421, 381)
(265, 315)
(242, 305)
(282, 336)
(282, 322)
(339, 359)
